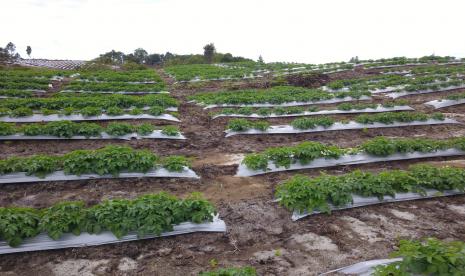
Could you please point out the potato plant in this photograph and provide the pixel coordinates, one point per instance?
(426, 257)
(302, 193)
(380, 146)
(87, 104)
(275, 95)
(149, 214)
(108, 160)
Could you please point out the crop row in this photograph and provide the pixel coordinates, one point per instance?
(23, 85)
(67, 129)
(206, 72)
(62, 101)
(113, 86)
(246, 69)
(301, 193)
(325, 121)
(433, 86)
(120, 76)
(407, 83)
(11, 93)
(28, 72)
(380, 146)
(405, 61)
(147, 214)
(434, 69)
(299, 110)
(20, 79)
(456, 97)
(89, 111)
(108, 160)
(278, 94)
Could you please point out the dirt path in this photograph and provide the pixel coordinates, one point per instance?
(260, 232)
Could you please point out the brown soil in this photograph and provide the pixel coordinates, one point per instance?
(260, 232)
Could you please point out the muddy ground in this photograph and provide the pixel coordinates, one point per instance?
(260, 232)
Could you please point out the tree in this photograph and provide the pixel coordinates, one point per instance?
(140, 55)
(29, 51)
(354, 59)
(112, 57)
(8, 53)
(154, 59)
(209, 52)
(228, 57)
(260, 59)
(10, 48)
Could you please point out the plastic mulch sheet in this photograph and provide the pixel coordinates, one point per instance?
(334, 100)
(55, 117)
(288, 129)
(44, 242)
(322, 112)
(61, 176)
(360, 158)
(444, 103)
(363, 268)
(407, 93)
(117, 92)
(360, 201)
(156, 134)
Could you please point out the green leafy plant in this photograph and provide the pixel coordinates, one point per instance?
(176, 163)
(21, 112)
(119, 129)
(114, 111)
(17, 224)
(309, 123)
(91, 111)
(170, 130)
(428, 257)
(7, 129)
(144, 129)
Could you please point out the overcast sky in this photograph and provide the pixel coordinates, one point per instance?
(311, 31)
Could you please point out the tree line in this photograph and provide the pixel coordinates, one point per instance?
(141, 56)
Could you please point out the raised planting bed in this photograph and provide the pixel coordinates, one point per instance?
(122, 87)
(62, 130)
(276, 96)
(404, 61)
(108, 162)
(306, 196)
(309, 155)
(321, 124)
(24, 83)
(87, 107)
(30, 72)
(450, 100)
(436, 89)
(72, 224)
(129, 76)
(282, 112)
(78, 117)
(11, 93)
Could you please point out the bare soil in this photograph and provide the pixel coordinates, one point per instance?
(260, 232)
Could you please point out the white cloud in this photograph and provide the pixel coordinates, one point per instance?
(293, 30)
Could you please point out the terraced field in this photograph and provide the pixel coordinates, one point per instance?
(285, 187)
